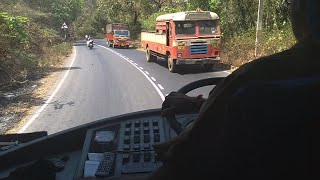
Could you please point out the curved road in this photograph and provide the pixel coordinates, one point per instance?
(105, 82)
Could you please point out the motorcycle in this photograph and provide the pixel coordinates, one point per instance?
(90, 43)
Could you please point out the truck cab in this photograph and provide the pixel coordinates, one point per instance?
(118, 35)
(191, 37)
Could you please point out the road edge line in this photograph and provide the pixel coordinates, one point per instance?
(35, 115)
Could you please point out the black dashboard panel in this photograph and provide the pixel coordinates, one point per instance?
(132, 144)
(132, 140)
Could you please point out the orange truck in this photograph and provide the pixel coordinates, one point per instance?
(118, 35)
(191, 37)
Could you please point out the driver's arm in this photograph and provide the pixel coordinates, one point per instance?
(181, 103)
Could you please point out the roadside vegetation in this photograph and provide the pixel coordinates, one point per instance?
(238, 22)
(32, 43)
(32, 39)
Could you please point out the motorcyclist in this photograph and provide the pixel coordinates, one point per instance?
(193, 154)
(88, 39)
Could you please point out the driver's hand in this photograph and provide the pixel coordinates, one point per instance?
(181, 103)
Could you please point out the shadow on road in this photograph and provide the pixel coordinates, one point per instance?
(58, 69)
(194, 69)
(59, 105)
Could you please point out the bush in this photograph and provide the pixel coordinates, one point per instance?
(27, 45)
(241, 49)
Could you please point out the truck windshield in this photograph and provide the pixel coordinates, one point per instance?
(121, 33)
(208, 27)
(185, 28)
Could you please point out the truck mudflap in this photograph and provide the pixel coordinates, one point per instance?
(198, 61)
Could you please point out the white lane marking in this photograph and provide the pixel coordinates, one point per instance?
(141, 67)
(222, 71)
(147, 72)
(135, 64)
(153, 79)
(31, 120)
(160, 87)
(145, 75)
(130, 60)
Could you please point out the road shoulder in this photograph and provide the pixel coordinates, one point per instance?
(42, 89)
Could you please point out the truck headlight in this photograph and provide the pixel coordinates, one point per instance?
(181, 45)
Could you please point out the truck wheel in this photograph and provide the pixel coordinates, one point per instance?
(150, 57)
(114, 46)
(171, 64)
(110, 45)
(207, 67)
(127, 46)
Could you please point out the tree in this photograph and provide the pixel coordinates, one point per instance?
(202, 4)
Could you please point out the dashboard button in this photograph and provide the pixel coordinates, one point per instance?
(136, 131)
(146, 146)
(125, 158)
(156, 129)
(128, 124)
(126, 147)
(136, 157)
(126, 139)
(146, 130)
(156, 138)
(137, 124)
(127, 131)
(145, 123)
(136, 147)
(155, 122)
(146, 138)
(136, 139)
(147, 157)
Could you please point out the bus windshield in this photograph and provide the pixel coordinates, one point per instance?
(208, 27)
(121, 33)
(185, 28)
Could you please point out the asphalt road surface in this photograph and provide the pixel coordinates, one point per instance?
(105, 82)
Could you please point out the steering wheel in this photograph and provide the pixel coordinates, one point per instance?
(174, 124)
(200, 83)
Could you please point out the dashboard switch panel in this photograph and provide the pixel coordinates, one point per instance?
(146, 132)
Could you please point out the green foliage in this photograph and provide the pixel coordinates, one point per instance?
(238, 50)
(29, 32)
(202, 4)
(30, 29)
(150, 23)
(12, 27)
(278, 40)
(67, 10)
(138, 14)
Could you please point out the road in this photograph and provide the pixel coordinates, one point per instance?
(105, 82)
